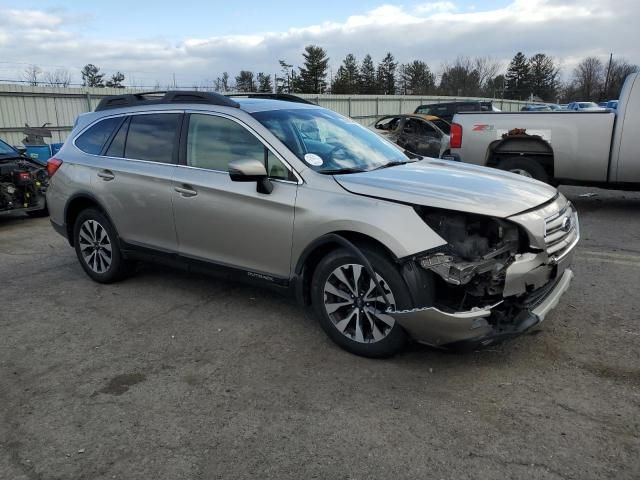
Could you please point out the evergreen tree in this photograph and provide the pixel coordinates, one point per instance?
(368, 83)
(417, 78)
(518, 78)
(348, 76)
(116, 80)
(245, 82)
(264, 83)
(543, 77)
(340, 84)
(91, 76)
(462, 78)
(314, 73)
(386, 75)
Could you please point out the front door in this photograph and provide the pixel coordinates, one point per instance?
(226, 222)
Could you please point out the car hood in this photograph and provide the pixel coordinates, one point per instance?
(451, 185)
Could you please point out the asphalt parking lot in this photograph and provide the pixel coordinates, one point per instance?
(170, 375)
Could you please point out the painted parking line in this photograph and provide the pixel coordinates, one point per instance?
(629, 259)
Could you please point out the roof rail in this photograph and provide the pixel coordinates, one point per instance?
(287, 97)
(155, 98)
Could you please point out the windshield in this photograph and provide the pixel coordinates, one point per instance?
(587, 105)
(329, 142)
(6, 149)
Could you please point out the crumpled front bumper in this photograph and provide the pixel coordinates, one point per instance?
(474, 328)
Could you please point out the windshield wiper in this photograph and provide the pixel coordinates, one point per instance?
(393, 164)
(338, 171)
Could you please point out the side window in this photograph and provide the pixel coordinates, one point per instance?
(116, 149)
(428, 131)
(152, 137)
(213, 142)
(93, 139)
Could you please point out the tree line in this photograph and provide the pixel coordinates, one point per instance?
(526, 78)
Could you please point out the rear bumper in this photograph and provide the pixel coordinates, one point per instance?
(481, 326)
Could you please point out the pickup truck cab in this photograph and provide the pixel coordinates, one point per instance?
(597, 148)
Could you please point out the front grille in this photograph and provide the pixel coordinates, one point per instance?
(561, 232)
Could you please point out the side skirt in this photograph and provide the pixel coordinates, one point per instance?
(172, 259)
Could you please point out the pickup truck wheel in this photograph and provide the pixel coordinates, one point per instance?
(350, 308)
(525, 166)
(97, 247)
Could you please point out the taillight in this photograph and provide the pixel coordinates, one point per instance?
(455, 139)
(53, 164)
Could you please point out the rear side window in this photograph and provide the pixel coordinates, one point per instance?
(94, 138)
(116, 149)
(152, 137)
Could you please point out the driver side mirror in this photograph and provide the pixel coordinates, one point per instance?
(250, 170)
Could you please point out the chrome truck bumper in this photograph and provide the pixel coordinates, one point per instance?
(476, 327)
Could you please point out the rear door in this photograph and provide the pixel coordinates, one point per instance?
(133, 178)
(230, 223)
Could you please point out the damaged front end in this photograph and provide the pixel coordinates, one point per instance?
(494, 279)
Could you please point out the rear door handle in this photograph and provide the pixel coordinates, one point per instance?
(106, 175)
(186, 191)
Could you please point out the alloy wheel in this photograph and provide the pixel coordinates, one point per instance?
(95, 246)
(355, 306)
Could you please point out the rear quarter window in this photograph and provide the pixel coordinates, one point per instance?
(93, 139)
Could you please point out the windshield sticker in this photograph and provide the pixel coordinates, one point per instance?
(313, 159)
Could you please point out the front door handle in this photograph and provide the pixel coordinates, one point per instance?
(186, 191)
(106, 175)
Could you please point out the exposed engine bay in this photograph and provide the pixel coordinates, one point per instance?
(474, 264)
(23, 183)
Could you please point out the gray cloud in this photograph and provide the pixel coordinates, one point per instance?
(435, 32)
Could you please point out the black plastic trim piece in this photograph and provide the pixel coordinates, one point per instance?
(170, 97)
(175, 259)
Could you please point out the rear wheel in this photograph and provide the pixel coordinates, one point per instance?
(525, 166)
(97, 247)
(351, 308)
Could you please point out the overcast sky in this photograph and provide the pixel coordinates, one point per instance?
(197, 40)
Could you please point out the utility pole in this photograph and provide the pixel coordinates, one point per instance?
(606, 80)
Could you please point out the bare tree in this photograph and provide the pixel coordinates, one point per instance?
(487, 69)
(58, 78)
(31, 74)
(588, 79)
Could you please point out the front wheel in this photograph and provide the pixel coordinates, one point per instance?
(350, 308)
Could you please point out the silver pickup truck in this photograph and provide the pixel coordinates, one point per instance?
(577, 148)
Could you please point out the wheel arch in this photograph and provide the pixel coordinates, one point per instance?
(313, 254)
(531, 146)
(319, 248)
(75, 205)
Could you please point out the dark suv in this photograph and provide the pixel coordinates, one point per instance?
(446, 111)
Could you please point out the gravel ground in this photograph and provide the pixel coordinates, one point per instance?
(171, 375)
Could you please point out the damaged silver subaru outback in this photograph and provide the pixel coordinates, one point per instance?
(383, 245)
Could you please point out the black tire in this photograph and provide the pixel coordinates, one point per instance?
(396, 337)
(526, 164)
(118, 267)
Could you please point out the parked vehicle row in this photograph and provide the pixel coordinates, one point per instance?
(383, 246)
